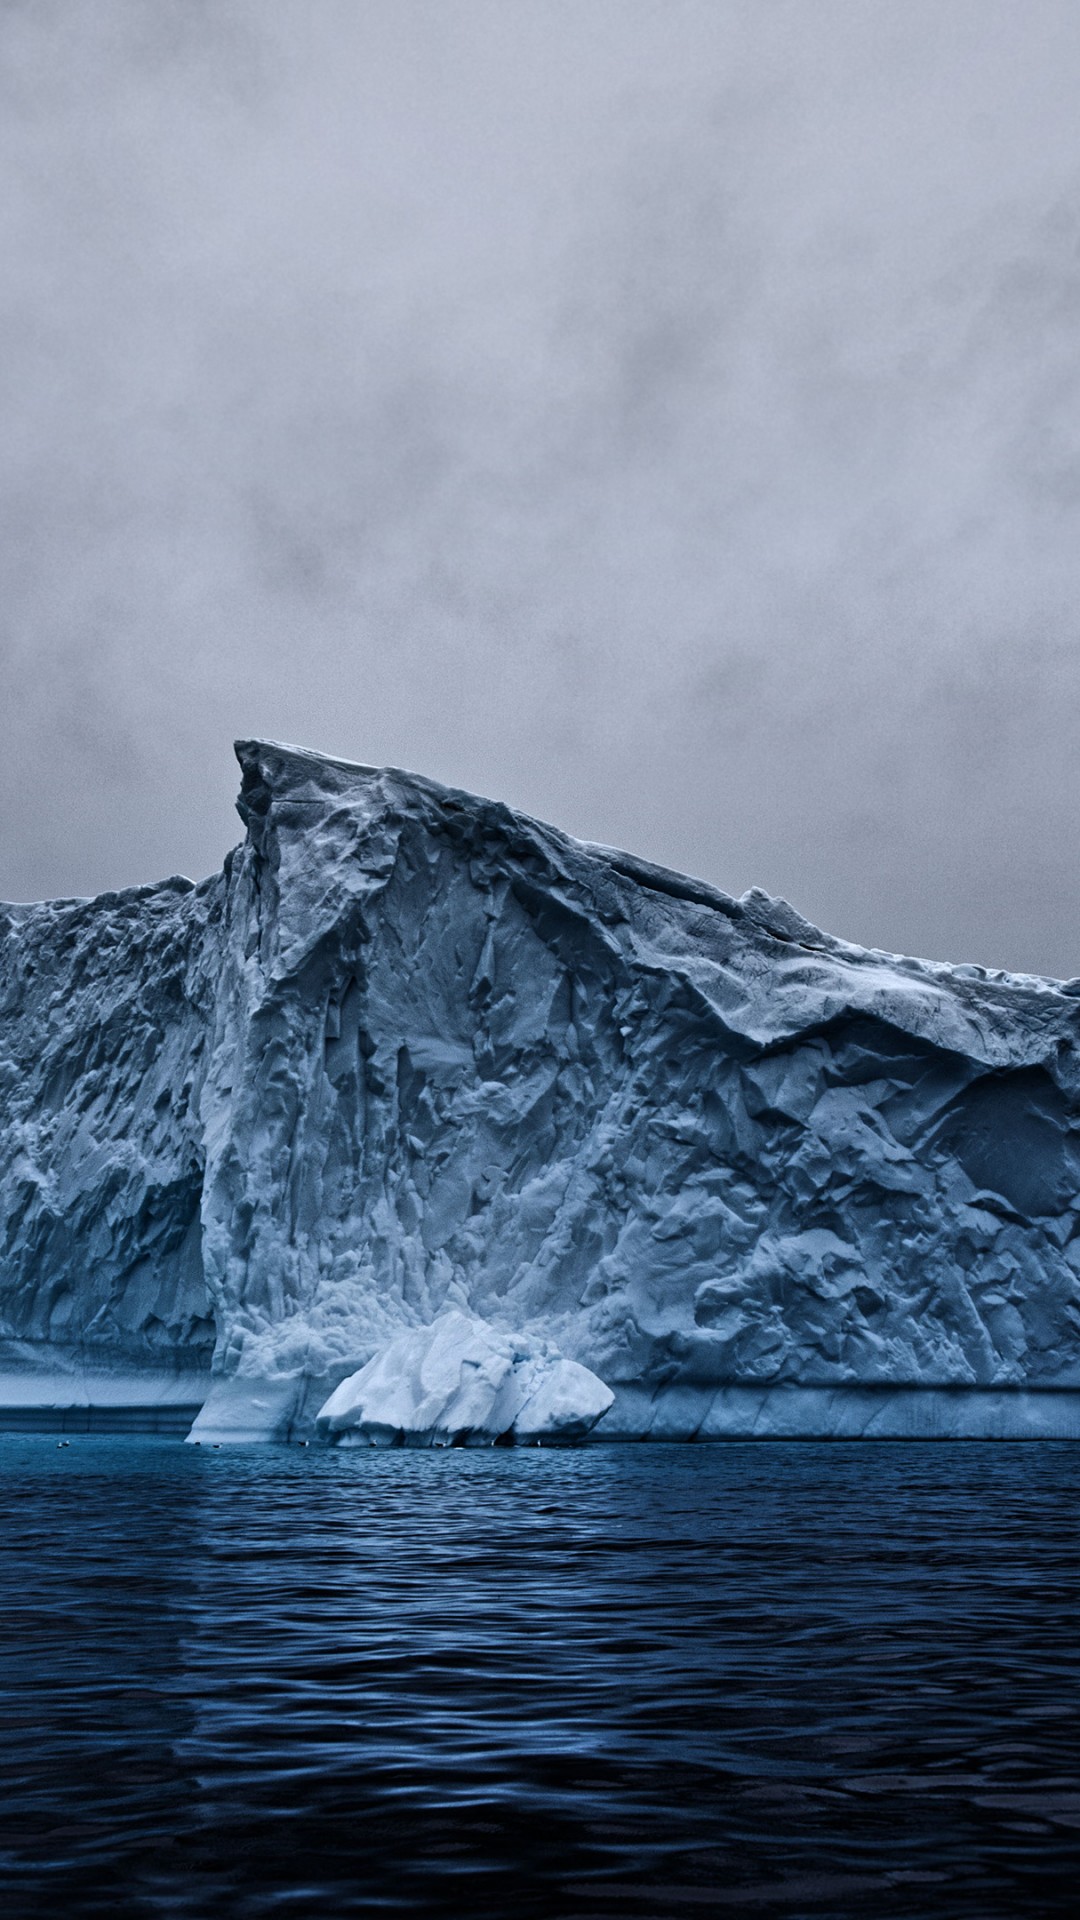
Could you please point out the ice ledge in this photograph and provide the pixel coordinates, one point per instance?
(57, 1399)
(844, 1413)
(260, 1411)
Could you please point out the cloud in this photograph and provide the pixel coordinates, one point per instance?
(666, 418)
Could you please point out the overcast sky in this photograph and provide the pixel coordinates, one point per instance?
(663, 416)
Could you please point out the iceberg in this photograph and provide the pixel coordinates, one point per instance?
(412, 1055)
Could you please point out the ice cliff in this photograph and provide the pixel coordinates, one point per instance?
(412, 1052)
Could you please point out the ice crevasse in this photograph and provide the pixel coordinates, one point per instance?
(417, 1077)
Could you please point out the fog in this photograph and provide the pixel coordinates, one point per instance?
(664, 417)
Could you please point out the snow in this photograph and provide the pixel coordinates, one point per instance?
(413, 1054)
(462, 1382)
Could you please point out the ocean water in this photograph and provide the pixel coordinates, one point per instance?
(791, 1678)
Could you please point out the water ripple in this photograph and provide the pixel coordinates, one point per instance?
(798, 1678)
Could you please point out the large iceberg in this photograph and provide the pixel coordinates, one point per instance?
(413, 1053)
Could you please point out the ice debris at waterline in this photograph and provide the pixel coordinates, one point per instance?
(413, 1052)
(460, 1382)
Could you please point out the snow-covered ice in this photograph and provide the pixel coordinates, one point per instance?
(461, 1382)
(413, 1053)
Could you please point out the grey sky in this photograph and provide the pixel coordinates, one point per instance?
(663, 416)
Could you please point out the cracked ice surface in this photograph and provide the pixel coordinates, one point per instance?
(412, 1052)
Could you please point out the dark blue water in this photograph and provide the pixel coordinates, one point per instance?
(785, 1678)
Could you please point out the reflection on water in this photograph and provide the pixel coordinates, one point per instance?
(790, 1677)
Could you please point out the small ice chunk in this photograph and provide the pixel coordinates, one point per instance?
(462, 1382)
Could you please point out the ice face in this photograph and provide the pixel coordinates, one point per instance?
(106, 1007)
(413, 1052)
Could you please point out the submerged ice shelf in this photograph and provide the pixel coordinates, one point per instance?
(413, 1054)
